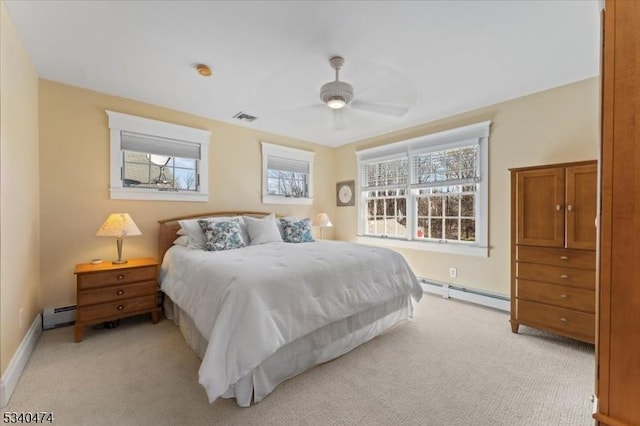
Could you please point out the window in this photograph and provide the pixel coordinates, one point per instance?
(154, 160)
(428, 193)
(384, 191)
(287, 175)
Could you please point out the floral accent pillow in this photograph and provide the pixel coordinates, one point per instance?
(222, 235)
(296, 230)
(191, 228)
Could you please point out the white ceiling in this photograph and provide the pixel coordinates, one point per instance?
(270, 58)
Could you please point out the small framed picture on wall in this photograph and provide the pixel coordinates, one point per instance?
(345, 193)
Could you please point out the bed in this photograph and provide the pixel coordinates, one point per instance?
(261, 314)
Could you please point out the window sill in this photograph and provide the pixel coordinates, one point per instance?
(270, 199)
(152, 194)
(460, 249)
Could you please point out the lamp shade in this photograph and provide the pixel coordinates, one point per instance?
(322, 219)
(118, 225)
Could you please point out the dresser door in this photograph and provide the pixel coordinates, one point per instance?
(581, 206)
(540, 207)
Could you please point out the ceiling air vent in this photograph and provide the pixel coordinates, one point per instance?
(244, 117)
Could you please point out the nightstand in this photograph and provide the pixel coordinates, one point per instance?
(107, 292)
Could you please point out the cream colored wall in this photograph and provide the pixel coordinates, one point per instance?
(553, 126)
(19, 191)
(74, 153)
(557, 125)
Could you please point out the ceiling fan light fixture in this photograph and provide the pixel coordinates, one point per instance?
(336, 94)
(336, 102)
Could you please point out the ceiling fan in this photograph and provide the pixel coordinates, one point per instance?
(338, 94)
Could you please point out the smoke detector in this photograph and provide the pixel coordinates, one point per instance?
(203, 70)
(336, 94)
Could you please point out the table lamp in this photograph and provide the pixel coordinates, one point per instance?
(118, 225)
(322, 220)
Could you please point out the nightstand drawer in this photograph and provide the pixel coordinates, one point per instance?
(560, 257)
(557, 295)
(560, 319)
(121, 276)
(116, 292)
(556, 274)
(116, 309)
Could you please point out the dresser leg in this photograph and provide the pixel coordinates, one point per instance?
(514, 327)
(79, 333)
(154, 316)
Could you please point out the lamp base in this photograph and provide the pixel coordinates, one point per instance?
(120, 260)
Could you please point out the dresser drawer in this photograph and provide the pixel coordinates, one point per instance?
(559, 257)
(558, 295)
(116, 309)
(121, 276)
(556, 274)
(116, 292)
(557, 319)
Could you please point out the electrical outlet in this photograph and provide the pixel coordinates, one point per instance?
(453, 272)
(21, 315)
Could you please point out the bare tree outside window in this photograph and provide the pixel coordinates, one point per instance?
(187, 182)
(287, 184)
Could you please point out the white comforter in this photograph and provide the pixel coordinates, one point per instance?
(251, 301)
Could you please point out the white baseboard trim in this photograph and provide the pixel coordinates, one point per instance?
(11, 376)
(447, 291)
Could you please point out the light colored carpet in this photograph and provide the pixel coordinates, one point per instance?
(453, 364)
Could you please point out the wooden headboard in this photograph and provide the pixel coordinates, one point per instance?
(170, 227)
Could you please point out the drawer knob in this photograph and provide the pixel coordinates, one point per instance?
(564, 276)
(120, 307)
(570, 207)
(564, 319)
(559, 207)
(120, 277)
(564, 257)
(563, 296)
(120, 292)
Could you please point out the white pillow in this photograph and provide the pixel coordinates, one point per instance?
(191, 227)
(262, 231)
(182, 240)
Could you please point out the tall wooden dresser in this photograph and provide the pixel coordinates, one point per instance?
(553, 243)
(618, 345)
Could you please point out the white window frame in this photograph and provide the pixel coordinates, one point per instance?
(119, 122)
(269, 149)
(474, 133)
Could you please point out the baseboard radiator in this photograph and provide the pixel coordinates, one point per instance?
(58, 317)
(446, 290)
(66, 315)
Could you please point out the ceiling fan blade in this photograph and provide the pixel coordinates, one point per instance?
(339, 119)
(376, 78)
(395, 111)
(301, 108)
